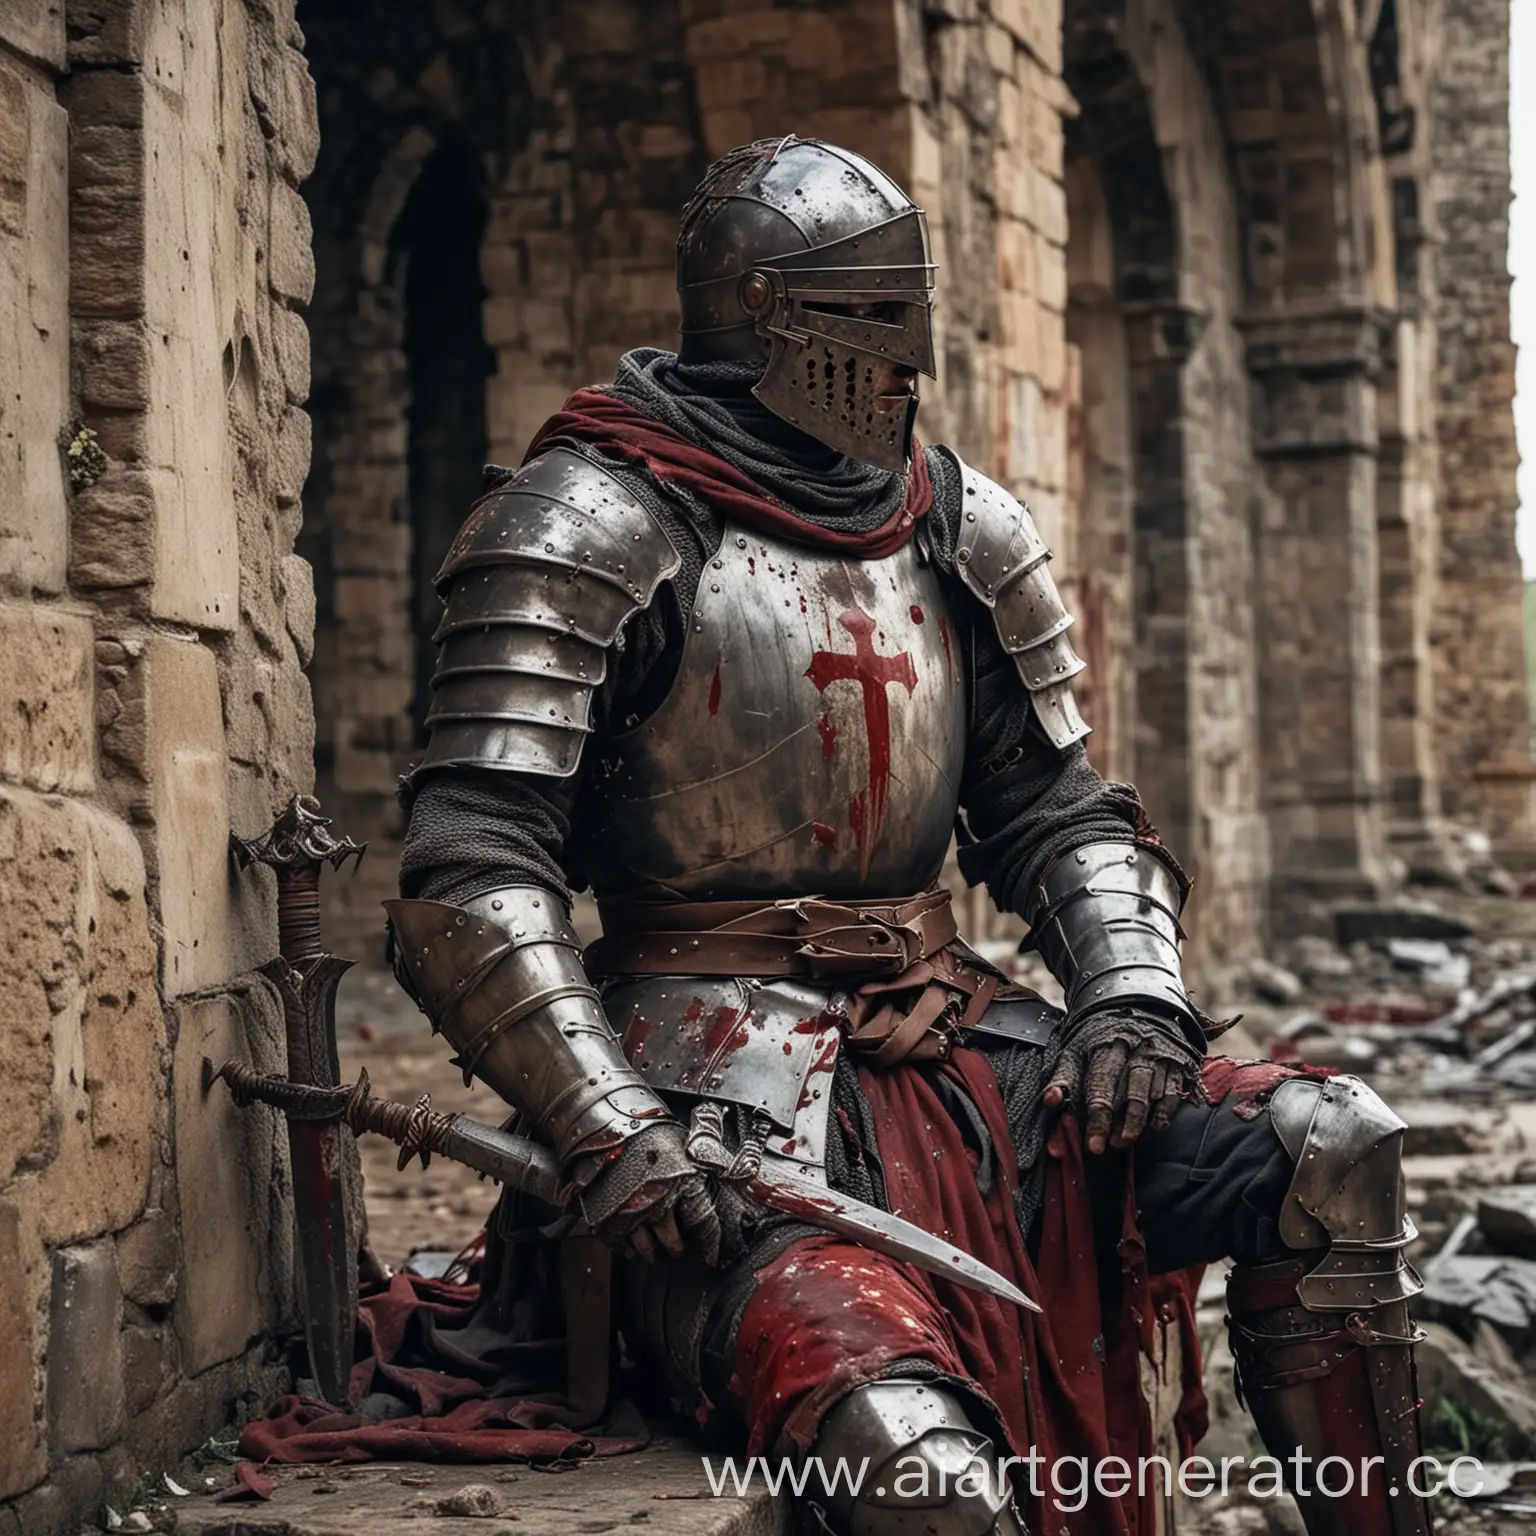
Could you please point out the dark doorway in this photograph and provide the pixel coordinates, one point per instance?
(437, 241)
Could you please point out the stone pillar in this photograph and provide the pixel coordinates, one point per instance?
(1315, 430)
(1406, 531)
(1161, 334)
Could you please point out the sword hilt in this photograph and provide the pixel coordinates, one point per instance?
(296, 845)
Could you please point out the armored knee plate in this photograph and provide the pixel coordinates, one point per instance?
(1323, 1343)
(929, 1470)
(1347, 1194)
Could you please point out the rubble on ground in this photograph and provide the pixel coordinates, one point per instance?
(1435, 1006)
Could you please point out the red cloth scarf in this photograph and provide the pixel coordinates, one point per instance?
(599, 420)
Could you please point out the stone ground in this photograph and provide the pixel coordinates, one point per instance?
(1471, 1139)
(660, 1489)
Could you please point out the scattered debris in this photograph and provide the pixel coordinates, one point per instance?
(474, 1501)
(1507, 1218)
(1273, 982)
(1365, 925)
(250, 1483)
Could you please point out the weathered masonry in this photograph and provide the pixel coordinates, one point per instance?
(1223, 294)
(154, 626)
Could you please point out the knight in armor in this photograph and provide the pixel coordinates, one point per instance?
(736, 652)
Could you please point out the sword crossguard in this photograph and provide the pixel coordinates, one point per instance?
(300, 836)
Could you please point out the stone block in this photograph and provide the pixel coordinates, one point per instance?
(186, 767)
(290, 458)
(23, 1450)
(299, 605)
(34, 325)
(82, 1064)
(290, 255)
(35, 29)
(147, 1259)
(741, 33)
(113, 360)
(1050, 264)
(106, 32)
(291, 341)
(106, 194)
(47, 739)
(41, 871)
(149, 1365)
(85, 1363)
(224, 1180)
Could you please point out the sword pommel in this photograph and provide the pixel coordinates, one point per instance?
(301, 835)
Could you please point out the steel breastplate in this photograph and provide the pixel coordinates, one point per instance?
(812, 741)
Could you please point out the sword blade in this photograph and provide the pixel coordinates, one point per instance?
(879, 1230)
(326, 1273)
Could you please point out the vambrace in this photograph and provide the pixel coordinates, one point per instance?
(502, 978)
(930, 1470)
(1323, 1343)
(1106, 922)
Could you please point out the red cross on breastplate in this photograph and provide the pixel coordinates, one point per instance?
(873, 673)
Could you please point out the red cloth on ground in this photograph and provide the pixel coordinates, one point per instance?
(458, 1421)
(597, 419)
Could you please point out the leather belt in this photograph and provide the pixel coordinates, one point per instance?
(914, 983)
(809, 937)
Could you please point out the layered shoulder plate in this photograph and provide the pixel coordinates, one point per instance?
(1004, 563)
(536, 587)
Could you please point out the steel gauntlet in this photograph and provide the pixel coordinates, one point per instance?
(502, 978)
(1106, 922)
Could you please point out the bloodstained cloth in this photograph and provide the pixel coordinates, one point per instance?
(829, 1316)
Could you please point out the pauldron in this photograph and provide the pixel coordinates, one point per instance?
(537, 586)
(1004, 564)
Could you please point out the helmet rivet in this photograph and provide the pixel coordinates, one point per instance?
(755, 292)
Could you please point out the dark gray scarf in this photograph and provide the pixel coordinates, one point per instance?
(712, 404)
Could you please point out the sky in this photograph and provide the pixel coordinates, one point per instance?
(1522, 260)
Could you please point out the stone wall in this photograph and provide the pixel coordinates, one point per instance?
(154, 254)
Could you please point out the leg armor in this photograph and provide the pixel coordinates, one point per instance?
(1323, 1343)
(930, 1471)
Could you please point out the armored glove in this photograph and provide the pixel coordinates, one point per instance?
(649, 1196)
(502, 978)
(1107, 923)
(1124, 1070)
